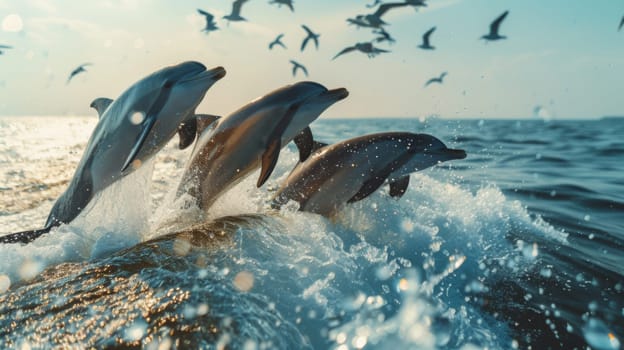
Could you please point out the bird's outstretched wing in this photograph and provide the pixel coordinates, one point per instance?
(497, 22)
(430, 81)
(307, 29)
(304, 42)
(345, 50)
(427, 35)
(383, 8)
(209, 17)
(621, 24)
(5, 47)
(236, 6)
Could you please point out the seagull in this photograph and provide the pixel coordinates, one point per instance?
(621, 24)
(365, 47)
(425, 44)
(384, 36)
(493, 34)
(277, 41)
(297, 65)
(439, 79)
(77, 71)
(236, 9)
(211, 25)
(374, 20)
(288, 3)
(4, 47)
(311, 35)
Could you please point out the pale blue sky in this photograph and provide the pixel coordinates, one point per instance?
(565, 55)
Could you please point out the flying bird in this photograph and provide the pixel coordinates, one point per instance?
(211, 25)
(365, 47)
(77, 70)
(426, 45)
(439, 79)
(236, 9)
(277, 41)
(288, 3)
(383, 36)
(4, 47)
(374, 20)
(493, 34)
(296, 66)
(311, 35)
(621, 24)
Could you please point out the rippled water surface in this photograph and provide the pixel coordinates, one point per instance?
(519, 245)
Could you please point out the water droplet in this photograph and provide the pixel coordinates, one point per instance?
(586, 217)
(546, 273)
(135, 331)
(12, 23)
(181, 246)
(244, 281)
(137, 118)
(5, 283)
(599, 336)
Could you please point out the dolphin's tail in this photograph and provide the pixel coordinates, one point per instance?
(24, 236)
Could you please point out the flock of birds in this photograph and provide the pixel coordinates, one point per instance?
(372, 21)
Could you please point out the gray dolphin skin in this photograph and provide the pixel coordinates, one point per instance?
(131, 129)
(252, 137)
(353, 169)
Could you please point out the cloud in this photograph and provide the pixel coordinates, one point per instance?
(43, 5)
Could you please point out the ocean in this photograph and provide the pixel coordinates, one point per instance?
(518, 246)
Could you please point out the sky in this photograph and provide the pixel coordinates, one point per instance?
(563, 55)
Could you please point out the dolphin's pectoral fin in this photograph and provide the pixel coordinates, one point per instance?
(186, 132)
(305, 143)
(368, 188)
(204, 121)
(147, 127)
(269, 160)
(398, 187)
(24, 236)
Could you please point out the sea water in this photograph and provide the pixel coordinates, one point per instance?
(520, 245)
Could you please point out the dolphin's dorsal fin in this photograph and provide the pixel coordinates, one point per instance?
(368, 188)
(318, 145)
(194, 126)
(100, 104)
(398, 187)
(305, 143)
(204, 121)
(269, 160)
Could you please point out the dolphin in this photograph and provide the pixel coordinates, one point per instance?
(131, 129)
(252, 137)
(351, 170)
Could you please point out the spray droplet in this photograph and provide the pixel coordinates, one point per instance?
(137, 118)
(5, 283)
(244, 281)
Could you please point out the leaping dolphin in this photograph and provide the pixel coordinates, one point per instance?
(131, 129)
(353, 169)
(252, 138)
